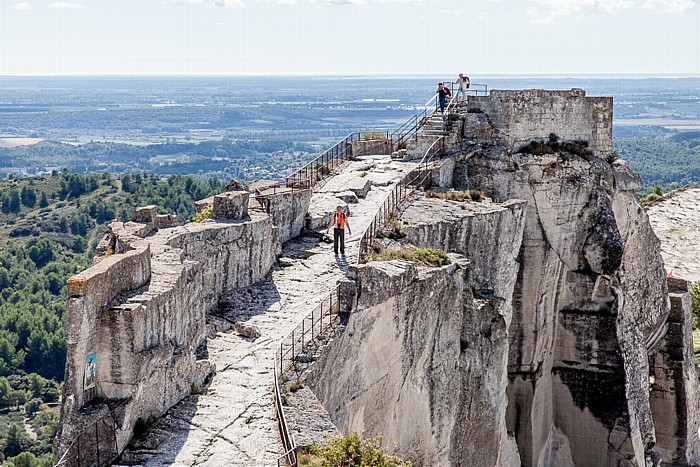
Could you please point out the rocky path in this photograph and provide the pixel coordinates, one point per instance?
(231, 422)
(676, 221)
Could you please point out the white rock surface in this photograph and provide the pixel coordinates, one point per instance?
(676, 221)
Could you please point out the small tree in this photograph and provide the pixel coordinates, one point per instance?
(353, 451)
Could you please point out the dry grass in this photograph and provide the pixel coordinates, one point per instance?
(430, 257)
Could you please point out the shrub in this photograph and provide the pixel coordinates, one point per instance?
(350, 451)
(374, 135)
(430, 257)
(393, 230)
(648, 199)
(552, 146)
(453, 117)
(204, 214)
(402, 145)
(466, 195)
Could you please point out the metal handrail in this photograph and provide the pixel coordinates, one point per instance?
(408, 184)
(322, 164)
(331, 157)
(313, 325)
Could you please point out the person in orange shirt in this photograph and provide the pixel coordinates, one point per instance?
(339, 222)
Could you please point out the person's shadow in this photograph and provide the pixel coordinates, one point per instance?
(342, 262)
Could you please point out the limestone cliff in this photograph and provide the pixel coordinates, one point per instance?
(423, 359)
(578, 302)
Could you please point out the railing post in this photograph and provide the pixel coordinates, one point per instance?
(97, 443)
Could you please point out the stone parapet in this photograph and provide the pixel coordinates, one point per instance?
(231, 205)
(516, 118)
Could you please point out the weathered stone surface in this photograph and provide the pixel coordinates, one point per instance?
(591, 277)
(675, 221)
(347, 196)
(288, 211)
(673, 384)
(321, 211)
(357, 182)
(230, 205)
(412, 365)
(143, 312)
(371, 147)
(247, 330)
(518, 117)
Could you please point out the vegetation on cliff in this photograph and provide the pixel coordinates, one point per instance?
(350, 451)
(430, 257)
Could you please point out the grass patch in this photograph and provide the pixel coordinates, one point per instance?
(430, 257)
(392, 231)
(374, 135)
(464, 195)
(696, 345)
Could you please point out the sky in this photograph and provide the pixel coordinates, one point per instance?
(349, 37)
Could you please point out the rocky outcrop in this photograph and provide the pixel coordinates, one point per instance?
(575, 276)
(136, 321)
(591, 286)
(423, 359)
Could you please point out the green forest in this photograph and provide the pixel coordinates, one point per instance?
(49, 228)
(664, 162)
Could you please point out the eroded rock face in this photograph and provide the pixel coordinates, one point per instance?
(413, 359)
(591, 287)
(423, 359)
(569, 283)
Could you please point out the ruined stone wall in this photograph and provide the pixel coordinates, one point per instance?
(518, 117)
(143, 313)
(288, 211)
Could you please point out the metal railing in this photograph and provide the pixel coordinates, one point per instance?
(408, 184)
(84, 449)
(321, 319)
(324, 163)
(263, 199)
(411, 126)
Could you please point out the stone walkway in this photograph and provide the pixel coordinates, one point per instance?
(231, 422)
(675, 221)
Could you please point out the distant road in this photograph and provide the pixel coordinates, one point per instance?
(678, 124)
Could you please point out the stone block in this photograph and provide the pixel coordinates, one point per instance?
(231, 205)
(372, 147)
(145, 215)
(247, 330)
(347, 196)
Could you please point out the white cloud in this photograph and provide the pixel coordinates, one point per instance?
(23, 6)
(65, 5)
(669, 6)
(557, 8)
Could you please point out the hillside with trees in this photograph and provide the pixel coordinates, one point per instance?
(49, 228)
